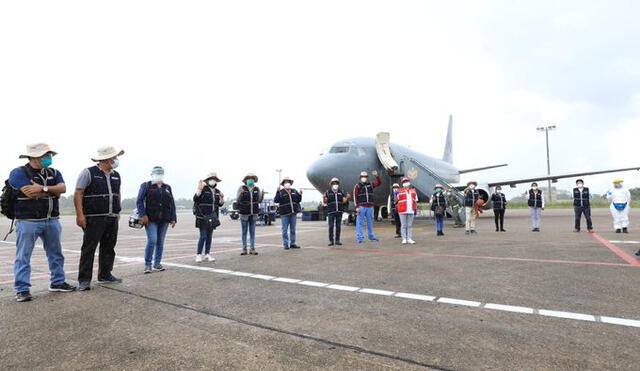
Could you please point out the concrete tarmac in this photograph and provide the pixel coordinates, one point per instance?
(554, 300)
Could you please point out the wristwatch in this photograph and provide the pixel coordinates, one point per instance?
(45, 188)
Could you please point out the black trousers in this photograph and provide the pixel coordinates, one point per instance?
(396, 218)
(335, 220)
(586, 210)
(498, 217)
(101, 230)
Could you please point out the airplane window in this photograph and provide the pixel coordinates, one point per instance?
(339, 150)
(361, 151)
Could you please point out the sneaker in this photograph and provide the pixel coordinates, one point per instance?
(158, 267)
(497, 230)
(209, 258)
(360, 241)
(411, 242)
(373, 239)
(473, 231)
(199, 258)
(503, 230)
(23, 296)
(638, 253)
(286, 247)
(294, 246)
(147, 269)
(576, 230)
(253, 252)
(110, 279)
(63, 287)
(244, 252)
(404, 241)
(330, 244)
(590, 231)
(618, 230)
(338, 243)
(467, 232)
(398, 236)
(625, 230)
(84, 286)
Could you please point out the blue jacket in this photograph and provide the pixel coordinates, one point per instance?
(156, 203)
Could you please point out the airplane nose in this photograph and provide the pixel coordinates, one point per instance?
(317, 172)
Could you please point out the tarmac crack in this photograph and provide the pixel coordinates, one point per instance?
(284, 332)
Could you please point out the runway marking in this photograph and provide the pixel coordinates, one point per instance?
(497, 258)
(616, 250)
(421, 297)
(631, 242)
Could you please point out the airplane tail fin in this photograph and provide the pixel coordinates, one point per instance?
(448, 146)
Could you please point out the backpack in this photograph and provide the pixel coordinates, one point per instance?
(8, 200)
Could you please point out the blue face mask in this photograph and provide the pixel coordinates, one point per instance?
(251, 182)
(115, 163)
(47, 161)
(438, 190)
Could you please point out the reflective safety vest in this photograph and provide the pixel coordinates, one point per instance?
(581, 198)
(499, 201)
(365, 193)
(403, 196)
(335, 201)
(288, 202)
(207, 203)
(248, 202)
(535, 199)
(471, 197)
(101, 197)
(38, 209)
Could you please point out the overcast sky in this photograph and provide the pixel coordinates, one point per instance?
(239, 86)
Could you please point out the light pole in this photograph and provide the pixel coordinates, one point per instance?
(546, 130)
(279, 175)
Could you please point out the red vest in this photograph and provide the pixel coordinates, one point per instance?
(403, 194)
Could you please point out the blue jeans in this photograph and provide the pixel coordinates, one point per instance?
(289, 229)
(205, 240)
(248, 225)
(156, 233)
(365, 212)
(27, 233)
(439, 223)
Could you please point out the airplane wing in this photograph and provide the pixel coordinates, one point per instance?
(554, 178)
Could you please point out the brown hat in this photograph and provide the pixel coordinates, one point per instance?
(212, 175)
(472, 182)
(285, 179)
(250, 176)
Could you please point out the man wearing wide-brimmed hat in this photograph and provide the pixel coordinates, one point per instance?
(36, 210)
(288, 200)
(249, 197)
(336, 201)
(97, 200)
(471, 197)
(206, 202)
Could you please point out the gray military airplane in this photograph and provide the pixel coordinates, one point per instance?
(347, 158)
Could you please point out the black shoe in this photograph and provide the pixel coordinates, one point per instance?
(625, 230)
(286, 247)
(497, 230)
(638, 253)
(338, 243)
(110, 279)
(330, 244)
(618, 230)
(503, 230)
(473, 231)
(398, 236)
(253, 252)
(294, 246)
(244, 252)
(63, 287)
(23, 296)
(590, 231)
(440, 233)
(84, 286)
(576, 230)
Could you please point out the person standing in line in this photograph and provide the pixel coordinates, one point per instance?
(535, 201)
(439, 206)
(249, 197)
(620, 199)
(364, 200)
(471, 197)
(499, 202)
(288, 200)
(336, 201)
(407, 199)
(394, 208)
(582, 206)
(206, 204)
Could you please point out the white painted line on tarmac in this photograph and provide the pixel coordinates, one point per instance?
(570, 315)
(377, 292)
(429, 298)
(407, 295)
(613, 241)
(509, 308)
(467, 303)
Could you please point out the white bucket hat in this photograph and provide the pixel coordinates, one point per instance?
(105, 153)
(212, 175)
(37, 150)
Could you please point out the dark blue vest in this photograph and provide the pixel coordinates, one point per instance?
(335, 201)
(288, 203)
(158, 202)
(581, 198)
(248, 202)
(438, 199)
(471, 197)
(499, 201)
(37, 209)
(535, 199)
(101, 197)
(208, 202)
(365, 193)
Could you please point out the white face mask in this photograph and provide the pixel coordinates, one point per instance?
(472, 186)
(157, 178)
(534, 188)
(335, 187)
(115, 163)
(498, 190)
(212, 183)
(580, 185)
(363, 179)
(406, 184)
(287, 185)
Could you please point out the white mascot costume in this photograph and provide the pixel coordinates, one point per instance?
(620, 199)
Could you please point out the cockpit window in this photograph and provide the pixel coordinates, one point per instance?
(339, 150)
